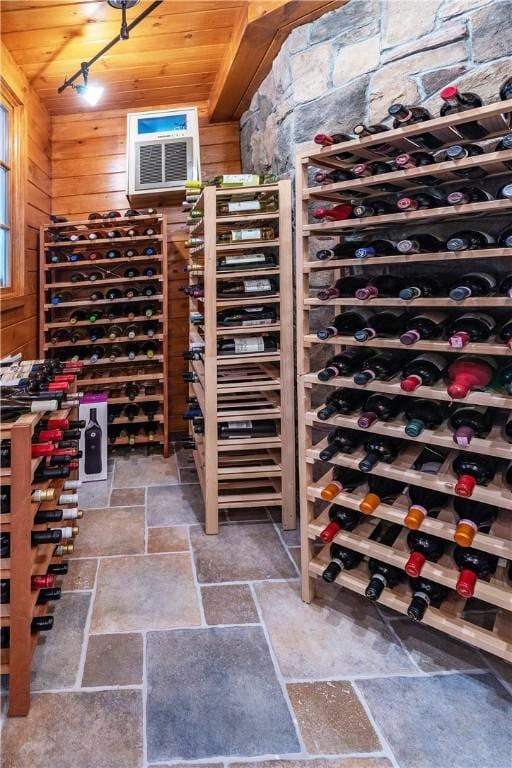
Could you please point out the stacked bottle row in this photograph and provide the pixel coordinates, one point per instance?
(239, 266)
(39, 447)
(107, 307)
(416, 461)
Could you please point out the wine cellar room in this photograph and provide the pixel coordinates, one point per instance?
(256, 383)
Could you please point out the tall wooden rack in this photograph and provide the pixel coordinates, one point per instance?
(24, 561)
(99, 376)
(252, 472)
(453, 616)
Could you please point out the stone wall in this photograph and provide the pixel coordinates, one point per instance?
(352, 63)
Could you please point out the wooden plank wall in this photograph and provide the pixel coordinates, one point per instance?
(19, 324)
(89, 174)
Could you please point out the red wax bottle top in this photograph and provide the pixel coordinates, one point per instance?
(323, 139)
(414, 564)
(466, 583)
(465, 485)
(366, 293)
(58, 424)
(403, 160)
(459, 339)
(56, 386)
(449, 92)
(42, 582)
(410, 383)
(407, 204)
(329, 532)
(42, 449)
(50, 434)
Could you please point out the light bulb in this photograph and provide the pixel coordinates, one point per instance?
(92, 94)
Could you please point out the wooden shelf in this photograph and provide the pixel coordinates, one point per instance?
(112, 241)
(123, 379)
(103, 340)
(88, 264)
(314, 474)
(241, 472)
(97, 224)
(104, 281)
(121, 360)
(115, 321)
(101, 302)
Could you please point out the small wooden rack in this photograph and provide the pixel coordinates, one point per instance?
(252, 472)
(24, 561)
(150, 374)
(455, 615)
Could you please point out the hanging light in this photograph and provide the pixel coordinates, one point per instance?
(122, 5)
(91, 93)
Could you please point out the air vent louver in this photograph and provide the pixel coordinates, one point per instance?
(150, 164)
(175, 161)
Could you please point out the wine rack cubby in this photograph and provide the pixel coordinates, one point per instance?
(485, 620)
(148, 374)
(244, 386)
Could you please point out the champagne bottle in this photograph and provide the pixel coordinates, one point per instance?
(381, 491)
(340, 441)
(379, 448)
(471, 327)
(426, 326)
(403, 116)
(340, 519)
(381, 367)
(455, 101)
(423, 414)
(468, 373)
(343, 479)
(345, 363)
(424, 502)
(424, 593)
(379, 408)
(472, 469)
(383, 574)
(423, 370)
(473, 565)
(342, 401)
(472, 516)
(341, 559)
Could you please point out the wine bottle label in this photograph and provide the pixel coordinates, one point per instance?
(257, 286)
(255, 258)
(244, 205)
(487, 319)
(254, 323)
(245, 234)
(248, 344)
(238, 425)
(244, 179)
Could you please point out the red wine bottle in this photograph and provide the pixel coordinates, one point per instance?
(424, 370)
(383, 574)
(344, 288)
(331, 177)
(422, 327)
(469, 422)
(342, 401)
(379, 448)
(470, 327)
(424, 502)
(425, 593)
(387, 324)
(414, 160)
(420, 201)
(341, 441)
(403, 116)
(472, 469)
(345, 363)
(423, 414)
(423, 547)
(381, 491)
(381, 286)
(455, 101)
(473, 565)
(341, 559)
(340, 518)
(472, 516)
(371, 168)
(336, 213)
(379, 408)
(468, 373)
(469, 240)
(381, 367)
(343, 479)
(347, 322)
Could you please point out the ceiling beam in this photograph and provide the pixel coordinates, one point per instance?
(260, 29)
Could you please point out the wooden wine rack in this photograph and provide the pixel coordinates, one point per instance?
(141, 370)
(454, 615)
(24, 561)
(255, 472)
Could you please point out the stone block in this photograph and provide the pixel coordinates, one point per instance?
(334, 111)
(444, 36)
(492, 31)
(299, 39)
(408, 23)
(347, 20)
(311, 72)
(433, 82)
(451, 8)
(355, 60)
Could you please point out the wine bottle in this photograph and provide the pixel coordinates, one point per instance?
(383, 574)
(423, 370)
(132, 391)
(423, 414)
(250, 288)
(374, 208)
(341, 559)
(343, 479)
(60, 298)
(469, 240)
(244, 429)
(414, 160)
(386, 324)
(379, 448)
(243, 235)
(381, 286)
(505, 333)
(238, 261)
(473, 565)
(347, 322)
(361, 130)
(92, 436)
(421, 243)
(505, 240)
(342, 401)
(331, 177)
(424, 593)
(345, 287)
(468, 195)
(506, 90)
(471, 327)
(371, 169)
(472, 469)
(327, 140)
(427, 326)
(403, 116)
(423, 547)
(345, 363)
(472, 516)
(340, 441)
(459, 152)
(468, 373)
(336, 213)
(246, 316)
(256, 205)
(246, 345)
(379, 408)
(504, 193)
(455, 101)
(340, 518)
(340, 251)
(375, 248)
(424, 286)
(381, 367)
(12, 408)
(424, 502)
(421, 201)
(503, 145)
(381, 491)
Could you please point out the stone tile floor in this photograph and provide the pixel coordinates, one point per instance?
(173, 648)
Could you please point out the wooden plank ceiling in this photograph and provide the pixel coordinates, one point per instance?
(184, 51)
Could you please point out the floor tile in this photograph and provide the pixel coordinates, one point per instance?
(502, 669)
(94, 495)
(338, 634)
(331, 718)
(113, 660)
(81, 575)
(77, 730)
(241, 552)
(295, 554)
(149, 470)
(347, 762)
(148, 592)
(188, 475)
(188, 765)
(435, 651)
(57, 655)
(458, 721)
(114, 531)
(127, 497)
(214, 692)
(230, 604)
(174, 505)
(169, 539)
(184, 457)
